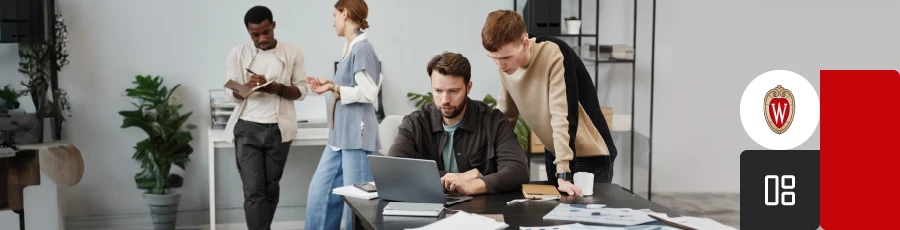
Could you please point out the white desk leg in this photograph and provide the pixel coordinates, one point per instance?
(212, 185)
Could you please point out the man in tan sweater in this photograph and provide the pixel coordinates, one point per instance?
(544, 80)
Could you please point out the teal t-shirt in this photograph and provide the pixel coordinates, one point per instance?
(447, 154)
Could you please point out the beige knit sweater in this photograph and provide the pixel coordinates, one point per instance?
(538, 92)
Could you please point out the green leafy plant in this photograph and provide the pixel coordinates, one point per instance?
(168, 141)
(35, 62)
(572, 18)
(420, 99)
(62, 110)
(11, 96)
(522, 130)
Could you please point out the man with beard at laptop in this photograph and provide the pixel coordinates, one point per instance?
(474, 146)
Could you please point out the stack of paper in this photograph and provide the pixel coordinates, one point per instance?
(353, 191)
(598, 214)
(572, 227)
(467, 221)
(643, 219)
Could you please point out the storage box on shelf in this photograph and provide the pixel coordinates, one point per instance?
(220, 108)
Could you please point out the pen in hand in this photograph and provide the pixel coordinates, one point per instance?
(254, 73)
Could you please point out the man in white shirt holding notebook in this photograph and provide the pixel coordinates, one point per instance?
(265, 122)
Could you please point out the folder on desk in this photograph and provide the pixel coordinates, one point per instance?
(540, 192)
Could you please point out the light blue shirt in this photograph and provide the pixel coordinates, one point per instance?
(447, 154)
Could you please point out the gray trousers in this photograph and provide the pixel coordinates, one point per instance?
(260, 157)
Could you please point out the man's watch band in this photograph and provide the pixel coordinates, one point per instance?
(564, 176)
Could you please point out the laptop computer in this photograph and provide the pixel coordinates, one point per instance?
(410, 180)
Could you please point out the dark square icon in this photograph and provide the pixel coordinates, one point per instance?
(787, 182)
(790, 179)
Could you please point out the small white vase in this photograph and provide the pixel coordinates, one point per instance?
(573, 26)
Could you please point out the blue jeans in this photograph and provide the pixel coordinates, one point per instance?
(336, 169)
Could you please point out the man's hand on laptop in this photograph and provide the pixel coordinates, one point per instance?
(449, 178)
(469, 188)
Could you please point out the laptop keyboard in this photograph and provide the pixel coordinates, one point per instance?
(450, 199)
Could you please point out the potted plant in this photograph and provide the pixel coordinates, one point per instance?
(522, 130)
(573, 25)
(18, 127)
(9, 98)
(39, 64)
(167, 143)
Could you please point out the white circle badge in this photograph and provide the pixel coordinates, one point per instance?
(780, 110)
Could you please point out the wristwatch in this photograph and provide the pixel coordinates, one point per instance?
(564, 176)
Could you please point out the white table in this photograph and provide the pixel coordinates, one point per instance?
(305, 137)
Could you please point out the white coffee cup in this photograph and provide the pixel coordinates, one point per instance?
(584, 181)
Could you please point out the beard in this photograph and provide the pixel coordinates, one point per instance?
(454, 113)
(266, 45)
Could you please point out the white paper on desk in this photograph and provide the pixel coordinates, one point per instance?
(524, 200)
(702, 223)
(573, 227)
(353, 191)
(648, 211)
(649, 227)
(606, 216)
(464, 220)
(496, 217)
(696, 222)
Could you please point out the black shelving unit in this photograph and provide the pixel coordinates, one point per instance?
(597, 61)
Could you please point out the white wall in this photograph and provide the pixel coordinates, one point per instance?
(707, 53)
(186, 42)
(706, 49)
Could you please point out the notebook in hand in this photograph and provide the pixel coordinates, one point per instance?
(413, 209)
(243, 90)
(540, 192)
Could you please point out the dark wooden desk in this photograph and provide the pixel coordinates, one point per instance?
(367, 214)
(16, 173)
